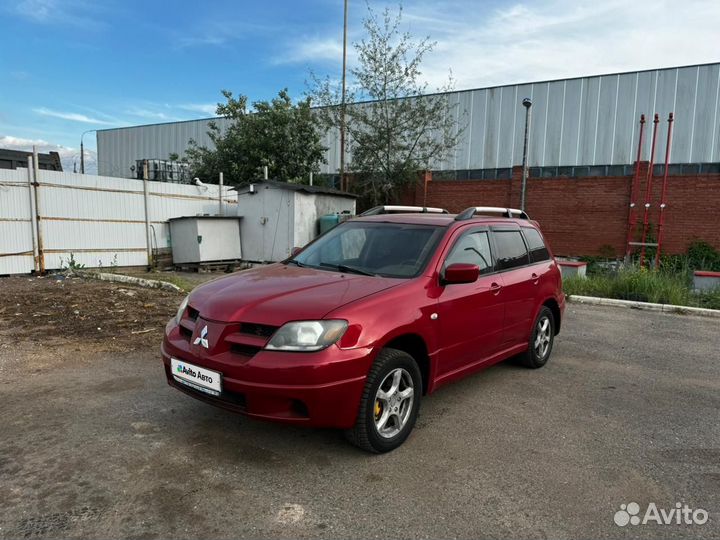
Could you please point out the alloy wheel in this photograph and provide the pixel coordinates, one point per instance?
(393, 403)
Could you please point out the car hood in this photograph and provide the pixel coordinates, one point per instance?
(279, 293)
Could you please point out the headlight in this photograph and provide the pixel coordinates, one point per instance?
(307, 335)
(181, 309)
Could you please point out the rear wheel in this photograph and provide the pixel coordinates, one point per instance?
(389, 404)
(541, 340)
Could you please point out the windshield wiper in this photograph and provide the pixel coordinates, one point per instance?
(296, 263)
(348, 269)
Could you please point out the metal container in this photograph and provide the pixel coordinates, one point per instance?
(203, 239)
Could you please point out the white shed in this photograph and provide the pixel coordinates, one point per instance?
(278, 216)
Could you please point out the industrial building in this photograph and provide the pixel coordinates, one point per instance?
(586, 122)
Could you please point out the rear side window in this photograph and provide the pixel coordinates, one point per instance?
(472, 248)
(538, 251)
(511, 250)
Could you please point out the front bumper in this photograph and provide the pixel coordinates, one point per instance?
(320, 389)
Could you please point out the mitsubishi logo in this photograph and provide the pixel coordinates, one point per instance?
(202, 338)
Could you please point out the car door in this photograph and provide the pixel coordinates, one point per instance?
(470, 314)
(519, 285)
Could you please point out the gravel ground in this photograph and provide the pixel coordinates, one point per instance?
(95, 444)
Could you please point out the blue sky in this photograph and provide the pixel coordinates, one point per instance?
(71, 65)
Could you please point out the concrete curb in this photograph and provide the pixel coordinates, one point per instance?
(141, 282)
(646, 306)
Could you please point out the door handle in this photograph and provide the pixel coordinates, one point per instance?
(535, 278)
(495, 288)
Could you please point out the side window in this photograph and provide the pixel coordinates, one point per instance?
(511, 250)
(472, 248)
(538, 251)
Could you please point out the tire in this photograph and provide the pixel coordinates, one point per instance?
(383, 400)
(541, 340)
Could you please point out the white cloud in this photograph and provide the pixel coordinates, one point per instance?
(568, 38)
(74, 117)
(319, 49)
(151, 114)
(532, 40)
(37, 10)
(78, 13)
(69, 156)
(202, 108)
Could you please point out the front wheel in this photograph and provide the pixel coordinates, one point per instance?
(541, 340)
(389, 404)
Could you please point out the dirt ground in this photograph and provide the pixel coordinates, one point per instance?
(95, 444)
(61, 309)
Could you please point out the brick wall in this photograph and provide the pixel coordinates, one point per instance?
(582, 216)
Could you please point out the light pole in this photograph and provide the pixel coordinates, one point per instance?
(527, 103)
(342, 101)
(82, 150)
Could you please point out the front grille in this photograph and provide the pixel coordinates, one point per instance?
(244, 350)
(260, 330)
(193, 314)
(185, 332)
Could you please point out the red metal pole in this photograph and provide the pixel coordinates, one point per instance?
(661, 220)
(648, 190)
(632, 215)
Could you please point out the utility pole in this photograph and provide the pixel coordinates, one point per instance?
(82, 150)
(342, 101)
(527, 103)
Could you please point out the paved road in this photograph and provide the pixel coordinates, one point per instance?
(95, 444)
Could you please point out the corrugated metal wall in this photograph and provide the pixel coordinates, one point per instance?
(583, 121)
(100, 220)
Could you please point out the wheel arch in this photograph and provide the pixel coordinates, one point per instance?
(415, 346)
(554, 307)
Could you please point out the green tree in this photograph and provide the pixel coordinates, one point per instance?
(392, 134)
(279, 134)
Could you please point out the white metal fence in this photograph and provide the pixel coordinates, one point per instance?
(100, 220)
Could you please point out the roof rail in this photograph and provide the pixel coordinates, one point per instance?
(504, 212)
(389, 209)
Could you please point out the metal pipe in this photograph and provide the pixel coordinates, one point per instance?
(661, 219)
(648, 191)
(33, 217)
(148, 245)
(38, 218)
(632, 216)
(527, 103)
(342, 99)
(220, 195)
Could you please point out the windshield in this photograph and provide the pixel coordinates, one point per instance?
(386, 249)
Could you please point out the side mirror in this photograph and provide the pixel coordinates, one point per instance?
(294, 251)
(461, 273)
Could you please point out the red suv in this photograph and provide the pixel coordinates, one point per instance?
(353, 329)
